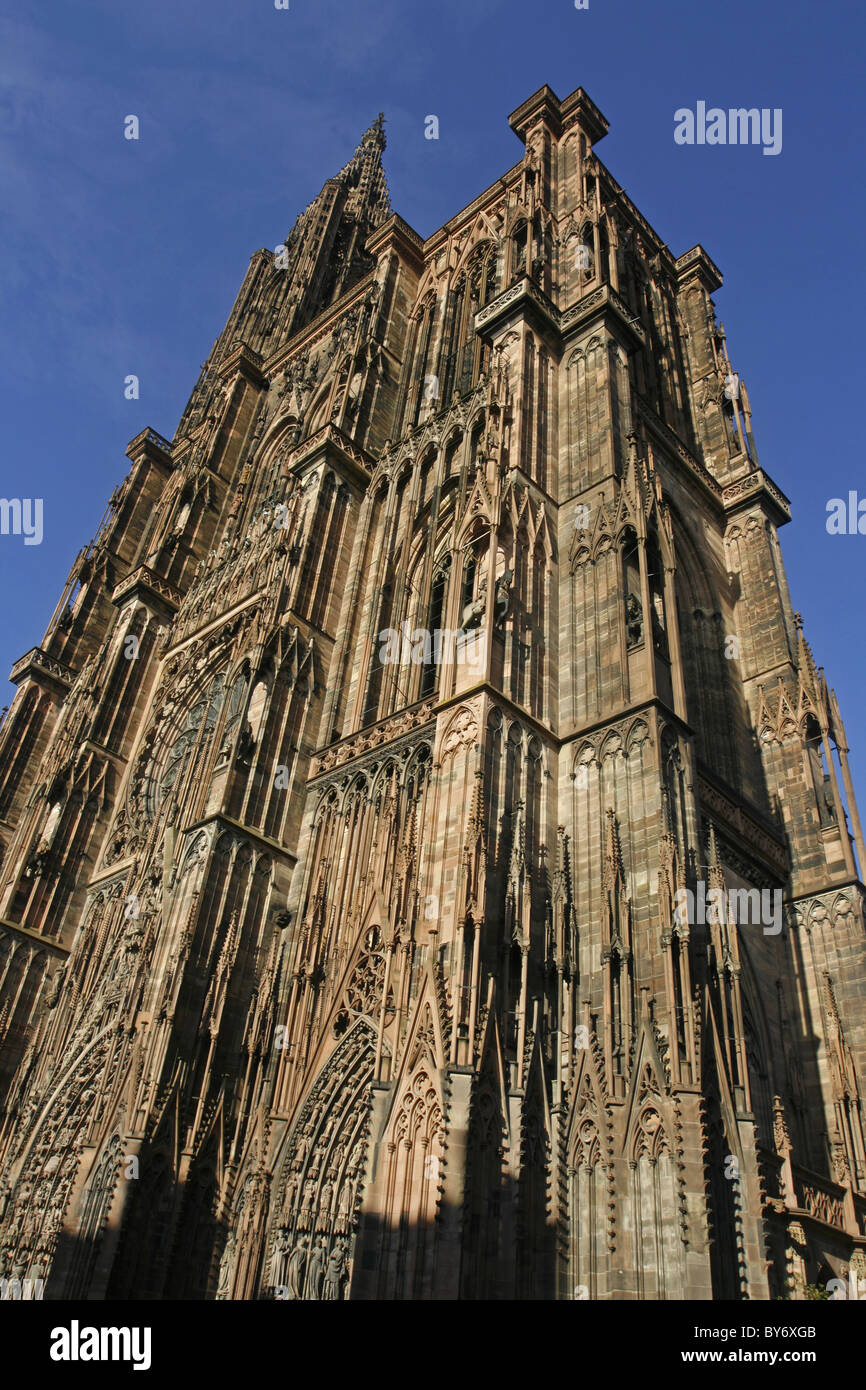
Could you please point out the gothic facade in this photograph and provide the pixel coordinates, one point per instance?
(381, 807)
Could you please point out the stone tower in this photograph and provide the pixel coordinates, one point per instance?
(430, 860)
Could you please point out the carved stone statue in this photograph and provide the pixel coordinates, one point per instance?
(323, 1217)
(291, 1188)
(315, 1271)
(295, 1269)
(634, 620)
(280, 1257)
(56, 985)
(345, 1208)
(473, 612)
(502, 596)
(226, 1268)
(335, 1274)
(829, 803)
(305, 1215)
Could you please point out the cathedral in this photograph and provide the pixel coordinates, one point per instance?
(430, 861)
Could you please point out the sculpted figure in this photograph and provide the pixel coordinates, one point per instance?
(226, 1267)
(280, 1257)
(634, 620)
(295, 1269)
(291, 1191)
(323, 1219)
(305, 1215)
(334, 1274)
(345, 1207)
(315, 1271)
(56, 985)
(502, 596)
(473, 612)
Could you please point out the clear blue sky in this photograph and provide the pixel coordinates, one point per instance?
(124, 257)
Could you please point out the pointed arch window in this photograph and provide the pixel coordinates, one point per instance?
(467, 350)
(424, 369)
(490, 276)
(193, 737)
(617, 1031)
(454, 306)
(656, 578)
(603, 252)
(377, 667)
(541, 247)
(519, 250)
(234, 712)
(586, 255)
(438, 590)
(473, 581)
(821, 779)
(469, 578)
(634, 614)
(465, 354)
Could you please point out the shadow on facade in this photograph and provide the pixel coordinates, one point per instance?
(782, 1090)
(168, 1248)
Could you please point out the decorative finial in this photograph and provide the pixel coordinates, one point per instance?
(376, 134)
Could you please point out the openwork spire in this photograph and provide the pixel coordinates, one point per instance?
(364, 177)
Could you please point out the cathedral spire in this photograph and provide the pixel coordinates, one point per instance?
(364, 177)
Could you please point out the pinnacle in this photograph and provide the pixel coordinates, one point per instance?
(375, 134)
(805, 660)
(364, 171)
